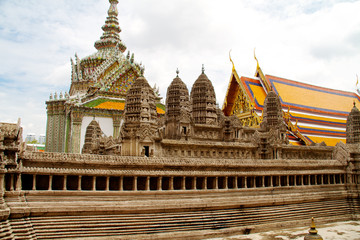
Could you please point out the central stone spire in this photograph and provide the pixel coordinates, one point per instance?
(110, 37)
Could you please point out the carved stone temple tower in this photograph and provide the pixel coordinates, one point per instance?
(203, 101)
(178, 117)
(353, 126)
(140, 123)
(272, 117)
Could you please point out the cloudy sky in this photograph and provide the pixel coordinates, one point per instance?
(311, 41)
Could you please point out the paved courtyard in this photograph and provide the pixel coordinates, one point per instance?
(332, 231)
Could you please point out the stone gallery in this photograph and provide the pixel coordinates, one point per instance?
(119, 164)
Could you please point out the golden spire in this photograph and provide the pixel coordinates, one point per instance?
(257, 66)
(312, 235)
(233, 65)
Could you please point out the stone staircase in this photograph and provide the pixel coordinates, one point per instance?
(22, 228)
(5, 230)
(167, 222)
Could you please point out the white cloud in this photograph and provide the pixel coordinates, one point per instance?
(309, 41)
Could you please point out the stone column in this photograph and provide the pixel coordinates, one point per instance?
(254, 182)
(271, 181)
(34, 183)
(340, 178)
(147, 184)
(183, 185)
(316, 181)
(204, 184)
(302, 180)
(2, 183)
(79, 183)
(116, 124)
(194, 183)
(135, 184)
(107, 186)
(216, 182)
(76, 131)
(11, 181)
(287, 180)
(159, 184)
(18, 182)
(121, 180)
(245, 182)
(309, 180)
(94, 183)
(226, 182)
(236, 182)
(171, 183)
(50, 182)
(64, 183)
(263, 181)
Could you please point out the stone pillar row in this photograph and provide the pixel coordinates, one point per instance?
(246, 182)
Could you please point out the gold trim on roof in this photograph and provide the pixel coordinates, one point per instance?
(242, 107)
(259, 73)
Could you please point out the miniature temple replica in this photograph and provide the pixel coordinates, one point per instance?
(117, 167)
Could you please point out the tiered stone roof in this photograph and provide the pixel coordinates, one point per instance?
(177, 98)
(93, 132)
(140, 108)
(203, 101)
(272, 117)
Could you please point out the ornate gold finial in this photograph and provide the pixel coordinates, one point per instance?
(177, 72)
(312, 227)
(113, 9)
(203, 69)
(312, 235)
(257, 66)
(233, 65)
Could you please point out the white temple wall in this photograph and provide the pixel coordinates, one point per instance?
(106, 125)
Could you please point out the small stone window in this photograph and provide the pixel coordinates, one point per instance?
(184, 130)
(147, 151)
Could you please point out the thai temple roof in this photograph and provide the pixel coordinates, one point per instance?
(317, 113)
(115, 104)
